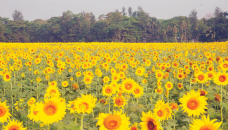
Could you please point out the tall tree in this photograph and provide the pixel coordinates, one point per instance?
(130, 11)
(123, 11)
(17, 16)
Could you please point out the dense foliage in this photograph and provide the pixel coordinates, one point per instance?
(116, 26)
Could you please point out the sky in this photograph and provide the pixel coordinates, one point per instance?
(161, 9)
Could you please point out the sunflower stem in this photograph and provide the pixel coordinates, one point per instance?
(37, 91)
(221, 105)
(82, 123)
(109, 105)
(48, 126)
(174, 120)
(12, 96)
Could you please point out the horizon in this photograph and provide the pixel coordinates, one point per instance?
(55, 8)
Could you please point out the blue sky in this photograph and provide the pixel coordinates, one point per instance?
(161, 9)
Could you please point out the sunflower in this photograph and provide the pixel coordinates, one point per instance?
(140, 71)
(75, 86)
(180, 85)
(160, 113)
(64, 83)
(4, 112)
(159, 74)
(128, 85)
(106, 79)
(88, 79)
(138, 91)
(31, 101)
(205, 124)
(174, 106)
(6, 77)
(159, 90)
(14, 125)
(33, 112)
(134, 126)
(202, 92)
(210, 75)
(221, 79)
(108, 90)
(119, 101)
(53, 83)
(168, 111)
(193, 103)
(52, 91)
(169, 85)
(52, 110)
(91, 98)
(180, 76)
(201, 77)
(83, 105)
(149, 122)
(71, 106)
(115, 121)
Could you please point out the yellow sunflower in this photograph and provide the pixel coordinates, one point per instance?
(201, 77)
(71, 106)
(115, 121)
(53, 83)
(64, 83)
(134, 126)
(6, 77)
(14, 125)
(149, 122)
(128, 85)
(33, 112)
(160, 113)
(140, 71)
(159, 90)
(193, 103)
(88, 79)
(31, 101)
(205, 124)
(108, 90)
(138, 91)
(119, 101)
(159, 74)
(221, 79)
(4, 112)
(83, 105)
(52, 110)
(169, 85)
(52, 91)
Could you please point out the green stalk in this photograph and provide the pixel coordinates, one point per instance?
(82, 123)
(221, 105)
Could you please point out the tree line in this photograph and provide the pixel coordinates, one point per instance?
(117, 26)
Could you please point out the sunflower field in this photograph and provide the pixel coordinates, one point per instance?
(114, 86)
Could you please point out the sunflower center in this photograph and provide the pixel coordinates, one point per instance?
(136, 91)
(139, 71)
(168, 85)
(52, 92)
(225, 65)
(50, 109)
(7, 76)
(133, 128)
(108, 90)
(112, 122)
(206, 127)
(159, 113)
(201, 77)
(83, 106)
(222, 78)
(151, 125)
(159, 75)
(119, 101)
(87, 79)
(193, 104)
(210, 75)
(128, 86)
(2, 111)
(14, 127)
